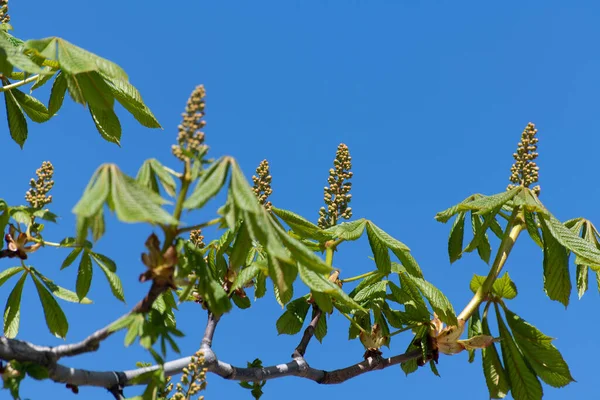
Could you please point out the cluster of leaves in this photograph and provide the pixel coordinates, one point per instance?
(528, 355)
(255, 388)
(89, 79)
(557, 240)
(373, 316)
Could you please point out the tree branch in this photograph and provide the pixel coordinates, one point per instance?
(308, 333)
(209, 332)
(92, 342)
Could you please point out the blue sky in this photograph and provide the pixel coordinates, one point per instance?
(430, 97)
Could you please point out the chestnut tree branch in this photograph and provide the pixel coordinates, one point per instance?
(308, 333)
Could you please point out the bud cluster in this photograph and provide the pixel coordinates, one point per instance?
(37, 196)
(337, 194)
(194, 377)
(4, 17)
(190, 138)
(197, 238)
(262, 184)
(525, 171)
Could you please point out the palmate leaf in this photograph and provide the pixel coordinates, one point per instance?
(84, 276)
(438, 302)
(446, 215)
(129, 97)
(588, 232)
(109, 268)
(540, 353)
(319, 283)
(60, 292)
(557, 282)
(130, 201)
(532, 228)
(502, 287)
(380, 250)
(348, 230)
(380, 243)
(9, 273)
(107, 124)
(524, 382)
(12, 310)
(485, 204)
(480, 240)
(55, 318)
(57, 94)
(15, 57)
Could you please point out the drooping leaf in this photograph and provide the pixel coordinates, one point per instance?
(321, 329)
(12, 310)
(480, 240)
(107, 123)
(379, 249)
(292, 320)
(34, 108)
(14, 54)
(9, 273)
(540, 353)
(17, 124)
(151, 172)
(113, 279)
(495, 376)
(84, 276)
(376, 290)
(95, 193)
(444, 216)
(485, 204)
(210, 184)
(55, 318)
(129, 97)
(440, 303)
(245, 276)
(455, 240)
(524, 382)
(58, 291)
(586, 252)
(532, 228)
(71, 257)
(557, 282)
(134, 203)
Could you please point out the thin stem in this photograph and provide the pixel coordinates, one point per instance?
(329, 256)
(513, 229)
(407, 328)
(308, 333)
(358, 277)
(186, 180)
(199, 226)
(20, 83)
(360, 328)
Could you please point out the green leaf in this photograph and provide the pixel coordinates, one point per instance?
(102, 259)
(107, 123)
(410, 296)
(9, 273)
(380, 250)
(532, 228)
(540, 353)
(241, 248)
(129, 97)
(319, 283)
(582, 280)
(245, 276)
(455, 240)
(348, 230)
(208, 285)
(55, 318)
(43, 79)
(113, 279)
(524, 383)
(71, 257)
(375, 291)
(16, 119)
(557, 282)
(495, 375)
(84, 276)
(474, 329)
(210, 184)
(585, 251)
(12, 310)
(15, 56)
(476, 282)
(95, 194)
(165, 178)
(505, 287)
(480, 239)
(58, 291)
(134, 203)
(283, 276)
(302, 226)
(440, 303)
(321, 329)
(34, 108)
(292, 320)
(485, 204)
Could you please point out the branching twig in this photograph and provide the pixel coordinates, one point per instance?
(308, 333)
(209, 332)
(92, 342)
